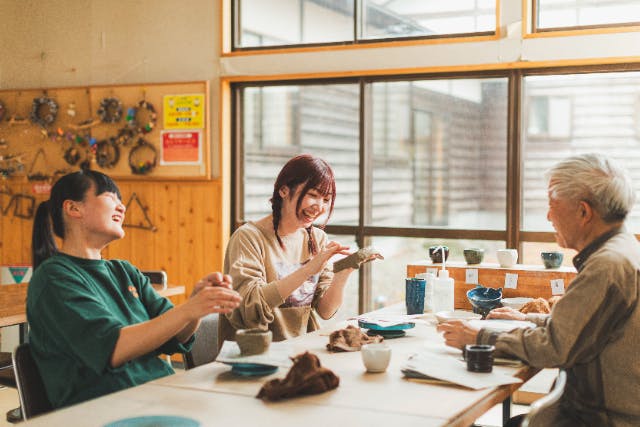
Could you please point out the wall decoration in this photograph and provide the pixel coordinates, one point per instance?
(146, 224)
(184, 111)
(181, 147)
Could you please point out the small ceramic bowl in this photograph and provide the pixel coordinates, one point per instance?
(515, 303)
(253, 341)
(484, 299)
(445, 316)
(473, 255)
(552, 259)
(435, 253)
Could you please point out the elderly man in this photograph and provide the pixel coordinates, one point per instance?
(594, 330)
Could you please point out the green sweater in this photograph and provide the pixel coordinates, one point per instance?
(75, 309)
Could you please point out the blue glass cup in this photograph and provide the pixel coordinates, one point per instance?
(414, 295)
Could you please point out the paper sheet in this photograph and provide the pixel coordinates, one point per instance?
(386, 320)
(277, 355)
(501, 325)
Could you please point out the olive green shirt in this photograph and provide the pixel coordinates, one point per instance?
(593, 333)
(75, 309)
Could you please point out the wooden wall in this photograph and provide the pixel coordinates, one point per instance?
(188, 242)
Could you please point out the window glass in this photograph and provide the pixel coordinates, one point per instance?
(415, 18)
(388, 275)
(262, 23)
(579, 13)
(444, 144)
(280, 122)
(349, 306)
(602, 117)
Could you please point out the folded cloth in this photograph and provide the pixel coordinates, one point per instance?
(538, 305)
(350, 339)
(306, 376)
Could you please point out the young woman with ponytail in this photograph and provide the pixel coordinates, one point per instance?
(279, 263)
(97, 326)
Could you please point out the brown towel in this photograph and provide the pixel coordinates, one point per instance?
(306, 376)
(350, 339)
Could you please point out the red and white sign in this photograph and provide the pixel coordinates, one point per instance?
(181, 147)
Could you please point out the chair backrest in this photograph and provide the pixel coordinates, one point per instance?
(552, 397)
(33, 397)
(205, 346)
(156, 277)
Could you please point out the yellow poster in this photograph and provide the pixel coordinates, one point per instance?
(184, 111)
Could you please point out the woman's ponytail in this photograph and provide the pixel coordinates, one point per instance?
(43, 245)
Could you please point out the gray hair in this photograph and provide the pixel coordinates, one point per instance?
(596, 179)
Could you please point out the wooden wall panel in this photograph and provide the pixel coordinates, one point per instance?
(187, 243)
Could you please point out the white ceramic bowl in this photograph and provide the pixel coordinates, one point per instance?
(515, 303)
(445, 316)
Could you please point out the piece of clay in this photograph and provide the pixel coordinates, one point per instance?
(356, 259)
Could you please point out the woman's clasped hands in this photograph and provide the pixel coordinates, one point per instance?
(213, 294)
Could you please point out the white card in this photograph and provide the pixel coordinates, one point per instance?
(433, 271)
(557, 287)
(511, 281)
(471, 276)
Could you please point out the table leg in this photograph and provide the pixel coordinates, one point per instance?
(506, 410)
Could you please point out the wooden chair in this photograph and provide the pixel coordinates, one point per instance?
(554, 395)
(205, 346)
(33, 397)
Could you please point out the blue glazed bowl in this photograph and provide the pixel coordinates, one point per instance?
(552, 259)
(484, 299)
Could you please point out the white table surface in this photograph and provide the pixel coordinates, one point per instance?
(212, 395)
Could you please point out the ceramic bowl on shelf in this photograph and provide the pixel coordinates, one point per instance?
(552, 259)
(435, 253)
(473, 255)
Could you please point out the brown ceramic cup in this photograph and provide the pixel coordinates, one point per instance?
(253, 341)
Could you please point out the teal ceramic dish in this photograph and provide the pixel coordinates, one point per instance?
(376, 327)
(252, 369)
(552, 259)
(156, 421)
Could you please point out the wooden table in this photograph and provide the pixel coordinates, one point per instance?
(213, 396)
(13, 310)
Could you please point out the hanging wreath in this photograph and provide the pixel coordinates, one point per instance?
(125, 136)
(44, 111)
(107, 153)
(134, 123)
(72, 155)
(3, 111)
(143, 158)
(110, 110)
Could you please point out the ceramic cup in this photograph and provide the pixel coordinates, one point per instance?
(376, 356)
(473, 255)
(414, 294)
(507, 257)
(253, 341)
(552, 259)
(435, 253)
(479, 357)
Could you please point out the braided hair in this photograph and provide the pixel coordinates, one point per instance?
(312, 173)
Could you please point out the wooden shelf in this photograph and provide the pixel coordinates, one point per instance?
(533, 280)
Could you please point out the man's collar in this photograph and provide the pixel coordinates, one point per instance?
(581, 258)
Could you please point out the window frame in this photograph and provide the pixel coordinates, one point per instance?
(357, 41)
(513, 235)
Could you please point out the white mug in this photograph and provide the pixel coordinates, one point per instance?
(376, 356)
(507, 257)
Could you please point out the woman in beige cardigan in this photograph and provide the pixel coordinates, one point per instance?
(279, 263)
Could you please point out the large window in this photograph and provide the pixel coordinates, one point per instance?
(572, 14)
(434, 159)
(259, 23)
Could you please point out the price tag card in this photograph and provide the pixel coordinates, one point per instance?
(471, 275)
(433, 271)
(557, 287)
(510, 281)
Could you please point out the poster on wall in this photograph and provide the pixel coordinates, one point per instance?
(181, 147)
(183, 111)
